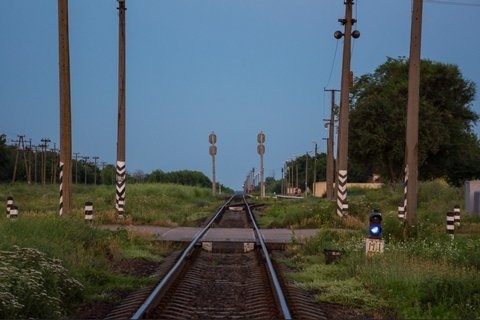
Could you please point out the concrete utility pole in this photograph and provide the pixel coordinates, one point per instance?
(314, 185)
(65, 110)
(411, 151)
(121, 169)
(342, 202)
(330, 143)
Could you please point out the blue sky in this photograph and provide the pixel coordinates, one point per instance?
(235, 67)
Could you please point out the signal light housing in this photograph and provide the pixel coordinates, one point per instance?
(375, 228)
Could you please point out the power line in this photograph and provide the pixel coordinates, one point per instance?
(454, 3)
(333, 65)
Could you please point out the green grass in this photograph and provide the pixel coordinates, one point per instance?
(426, 276)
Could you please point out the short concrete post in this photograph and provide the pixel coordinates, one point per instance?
(456, 211)
(13, 212)
(9, 205)
(401, 212)
(88, 211)
(451, 223)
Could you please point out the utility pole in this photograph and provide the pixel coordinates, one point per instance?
(306, 174)
(76, 166)
(314, 185)
(85, 164)
(330, 143)
(411, 151)
(54, 163)
(121, 170)
(65, 110)
(95, 170)
(341, 185)
(44, 146)
(20, 148)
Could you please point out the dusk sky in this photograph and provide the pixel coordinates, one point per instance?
(234, 67)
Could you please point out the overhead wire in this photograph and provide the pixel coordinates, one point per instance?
(455, 3)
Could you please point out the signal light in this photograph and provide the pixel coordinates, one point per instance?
(375, 228)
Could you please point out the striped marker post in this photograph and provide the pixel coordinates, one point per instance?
(13, 212)
(60, 189)
(456, 211)
(120, 189)
(342, 203)
(88, 211)
(9, 205)
(401, 211)
(405, 187)
(451, 223)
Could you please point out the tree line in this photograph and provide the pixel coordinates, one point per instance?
(29, 165)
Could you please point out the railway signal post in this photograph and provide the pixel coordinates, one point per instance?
(374, 243)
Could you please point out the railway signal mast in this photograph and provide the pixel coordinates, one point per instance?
(261, 152)
(212, 138)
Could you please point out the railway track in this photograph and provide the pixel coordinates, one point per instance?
(220, 282)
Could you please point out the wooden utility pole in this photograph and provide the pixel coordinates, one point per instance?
(95, 158)
(341, 185)
(121, 169)
(65, 110)
(44, 147)
(21, 148)
(314, 185)
(76, 166)
(330, 144)
(411, 151)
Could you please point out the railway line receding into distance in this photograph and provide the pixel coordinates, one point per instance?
(226, 271)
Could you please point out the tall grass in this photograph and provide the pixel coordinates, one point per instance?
(49, 263)
(429, 276)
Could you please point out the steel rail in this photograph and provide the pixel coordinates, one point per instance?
(273, 275)
(165, 280)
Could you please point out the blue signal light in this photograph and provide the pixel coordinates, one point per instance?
(375, 228)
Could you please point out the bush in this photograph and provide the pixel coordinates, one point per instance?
(34, 286)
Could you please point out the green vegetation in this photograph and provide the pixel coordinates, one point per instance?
(49, 265)
(447, 145)
(428, 276)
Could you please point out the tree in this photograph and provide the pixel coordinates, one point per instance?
(447, 148)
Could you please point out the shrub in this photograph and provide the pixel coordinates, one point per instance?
(34, 286)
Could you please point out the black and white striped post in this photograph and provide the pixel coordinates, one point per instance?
(456, 210)
(342, 202)
(405, 189)
(401, 211)
(88, 211)
(120, 188)
(13, 212)
(10, 204)
(451, 223)
(60, 189)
